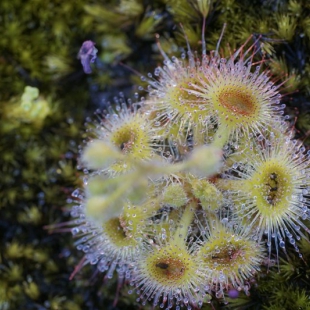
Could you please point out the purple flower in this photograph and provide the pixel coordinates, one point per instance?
(87, 54)
(233, 293)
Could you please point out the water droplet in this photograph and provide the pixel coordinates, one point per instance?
(260, 138)
(76, 193)
(75, 231)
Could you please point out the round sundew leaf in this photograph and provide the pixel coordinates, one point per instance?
(123, 138)
(229, 258)
(172, 271)
(239, 100)
(272, 199)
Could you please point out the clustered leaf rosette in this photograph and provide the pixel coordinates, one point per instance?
(189, 194)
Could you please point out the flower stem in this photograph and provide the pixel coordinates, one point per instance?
(185, 221)
(221, 136)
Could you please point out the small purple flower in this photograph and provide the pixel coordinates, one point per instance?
(233, 293)
(87, 54)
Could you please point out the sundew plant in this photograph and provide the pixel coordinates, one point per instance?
(189, 191)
